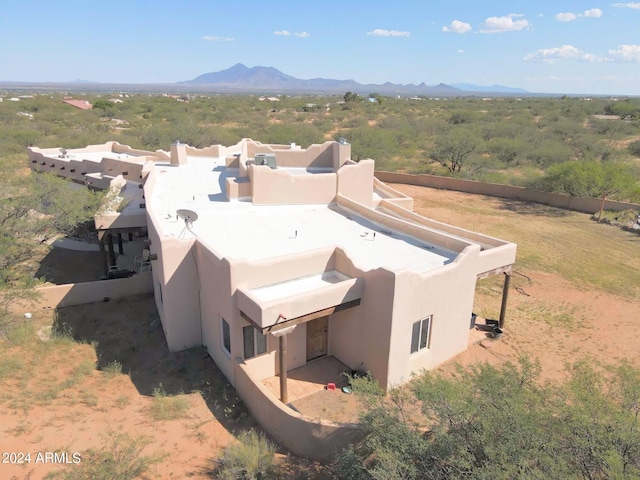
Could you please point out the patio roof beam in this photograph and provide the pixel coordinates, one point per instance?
(103, 232)
(302, 319)
(496, 271)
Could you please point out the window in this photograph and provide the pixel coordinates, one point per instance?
(421, 334)
(255, 342)
(226, 336)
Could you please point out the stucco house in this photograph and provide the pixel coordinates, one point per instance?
(273, 255)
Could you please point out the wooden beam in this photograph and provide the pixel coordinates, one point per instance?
(496, 271)
(303, 319)
(105, 231)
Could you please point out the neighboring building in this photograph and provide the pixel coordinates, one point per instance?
(81, 104)
(262, 248)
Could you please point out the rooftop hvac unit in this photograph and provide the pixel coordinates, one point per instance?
(268, 159)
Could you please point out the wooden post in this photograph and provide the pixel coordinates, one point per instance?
(105, 264)
(282, 359)
(112, 254)
(604, 197)
(284, 397)
(120, 249)
(505, 296)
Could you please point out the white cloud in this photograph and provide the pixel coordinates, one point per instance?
(625, 53)
(457, 27)
(633, 5)
(566, 16)
(552, 55)
(379, 32)
(460, 51)
(287, 33)
(593, 13)
(504, 24)
(209, 38)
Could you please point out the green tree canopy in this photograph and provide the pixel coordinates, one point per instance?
(590, 178)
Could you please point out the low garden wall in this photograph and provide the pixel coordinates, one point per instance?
(586, 205)
(54, 296)
(301, 435)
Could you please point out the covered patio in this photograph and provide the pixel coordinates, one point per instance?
(310, 378)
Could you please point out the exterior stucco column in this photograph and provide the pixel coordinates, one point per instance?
(282, 357)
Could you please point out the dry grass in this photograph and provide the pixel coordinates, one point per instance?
(570, 244)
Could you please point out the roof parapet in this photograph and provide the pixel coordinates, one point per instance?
(178, 153)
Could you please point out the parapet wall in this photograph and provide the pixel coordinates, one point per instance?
(586, 205)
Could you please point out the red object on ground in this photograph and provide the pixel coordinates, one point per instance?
(331, 386)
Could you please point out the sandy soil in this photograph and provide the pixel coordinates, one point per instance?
(55, 399)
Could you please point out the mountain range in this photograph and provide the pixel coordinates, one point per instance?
(269, 80)
(241, 78)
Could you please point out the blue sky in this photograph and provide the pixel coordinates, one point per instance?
(542, 46)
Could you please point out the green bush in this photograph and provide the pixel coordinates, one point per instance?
(249, 459)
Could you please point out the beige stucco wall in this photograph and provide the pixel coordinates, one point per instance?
(355, 181)
(447, 294)
(315, 156)
(359, 336)
(238, 188)
(176, 273)
(301, 435)
(280, 187)
(67, 295)
(216, 302)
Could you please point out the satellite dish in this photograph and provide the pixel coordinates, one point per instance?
(187, 215)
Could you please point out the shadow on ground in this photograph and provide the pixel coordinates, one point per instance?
(530, 208)
(128, 331)
(61, 266)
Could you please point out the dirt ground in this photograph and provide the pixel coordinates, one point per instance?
(65, 395)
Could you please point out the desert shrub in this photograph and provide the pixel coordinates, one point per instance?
(249, 459)
(119, 459)
(634, 148)
(166, 407)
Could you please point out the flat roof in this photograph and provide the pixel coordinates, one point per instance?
(238, 229)
(95, 156)
(298, 285)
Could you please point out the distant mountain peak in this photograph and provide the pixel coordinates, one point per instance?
(240, 78)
